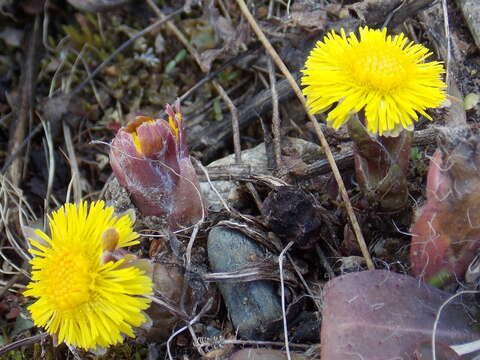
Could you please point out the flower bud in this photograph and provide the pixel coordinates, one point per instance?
(150, 159)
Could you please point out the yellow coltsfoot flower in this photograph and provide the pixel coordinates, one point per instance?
(83, 300)
(384, 75)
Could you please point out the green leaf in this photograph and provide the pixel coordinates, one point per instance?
(470, 101)
(21, 324)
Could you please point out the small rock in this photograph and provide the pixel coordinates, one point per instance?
(168, 281)
(265, 354)
(254, 307)
(256, 158)
(471, 12)
(291, 214)
(305, 328)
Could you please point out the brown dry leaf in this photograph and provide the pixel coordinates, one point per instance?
(308, 17)
(378, 315)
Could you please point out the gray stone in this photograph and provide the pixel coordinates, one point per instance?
(254, 307)
(256, 158)
(471, 12)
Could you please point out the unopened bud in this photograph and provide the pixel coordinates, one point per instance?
(150, 159)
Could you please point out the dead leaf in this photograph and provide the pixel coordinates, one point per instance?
(378, 315)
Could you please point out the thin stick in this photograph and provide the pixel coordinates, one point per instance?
(50, 158)
(72, 160)
(9, 284)
(282, 288)
(197, 317)
(255, 195)
(27, 341)
(328, 152)
(188, 265)
(275, 115)
(179, 314)
(264, 343)
(26, 98)
(236, 128)
(447, 35)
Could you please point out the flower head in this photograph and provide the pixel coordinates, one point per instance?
(384, 75)
(83, 300)
(150, 159)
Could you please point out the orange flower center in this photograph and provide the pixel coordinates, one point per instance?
(380, 67)
(68, 280)
(132, 129)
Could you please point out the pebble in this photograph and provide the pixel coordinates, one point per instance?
(254, 307)
(471, 12)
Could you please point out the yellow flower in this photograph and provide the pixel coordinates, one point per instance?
(81, 300)
(384, 75)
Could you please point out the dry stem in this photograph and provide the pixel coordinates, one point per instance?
(275, 115)
(328, 152)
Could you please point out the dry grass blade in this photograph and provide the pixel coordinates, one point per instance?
(24, 112)
(328, 152)
(11, 195)
(282, 288)
(72, 160)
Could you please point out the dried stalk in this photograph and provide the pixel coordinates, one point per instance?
(328, 152)
(275, 115)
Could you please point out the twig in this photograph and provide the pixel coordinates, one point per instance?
(50, 159)
(213, 136)
(205, 172)
(328, 152)
(304, 283)
(255, 195)
(275, 115)
(72, 160)
(188, 265)
(23, 342)
(214, 73)
(234, 114)
(190, 323)
(28, 79)
(18, 150)
(266, 343)
(282, 288)
(9, 284)
(168, 307)
(447, 35)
